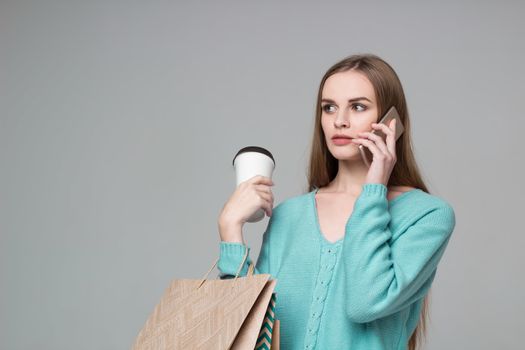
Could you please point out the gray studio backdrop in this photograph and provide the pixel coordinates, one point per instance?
(120, 119)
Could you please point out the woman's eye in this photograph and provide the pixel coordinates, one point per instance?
(325, 108)
(357, 105)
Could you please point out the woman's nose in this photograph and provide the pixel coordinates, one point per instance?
(341, 119)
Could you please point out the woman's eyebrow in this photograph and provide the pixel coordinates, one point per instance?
(350, 100)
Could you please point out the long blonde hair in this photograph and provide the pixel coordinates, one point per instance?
(323, 166)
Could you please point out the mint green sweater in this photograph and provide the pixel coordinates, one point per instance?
(363, 292)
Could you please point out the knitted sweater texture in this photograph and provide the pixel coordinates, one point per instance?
(362, 292)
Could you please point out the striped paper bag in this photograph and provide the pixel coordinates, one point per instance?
(269, 333)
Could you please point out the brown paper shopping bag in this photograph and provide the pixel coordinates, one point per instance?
(219, 314)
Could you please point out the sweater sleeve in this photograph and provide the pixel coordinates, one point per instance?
(383, 276)
(231, 254)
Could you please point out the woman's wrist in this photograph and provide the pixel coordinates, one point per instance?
(230, 232)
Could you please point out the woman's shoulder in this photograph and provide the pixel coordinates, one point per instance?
(421, 203)
(295, 201)
(394, 191)
(294, 204)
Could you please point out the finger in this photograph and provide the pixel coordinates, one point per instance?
(267, 206)
(383, 126)
(378, 140)
(391, 139)
(390, 134)
(264, 188)
(371, 146)
(268, 209)
(260, 179)
(265, 193)
(387, 130)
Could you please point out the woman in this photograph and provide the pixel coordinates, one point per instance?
(355, 256)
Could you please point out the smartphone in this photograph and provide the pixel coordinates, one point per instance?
(389, 115)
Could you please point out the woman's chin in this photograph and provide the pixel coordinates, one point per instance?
(346, 155)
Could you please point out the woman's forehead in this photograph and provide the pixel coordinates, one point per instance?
(347, 85)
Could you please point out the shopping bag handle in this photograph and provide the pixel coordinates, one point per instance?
(250, 269)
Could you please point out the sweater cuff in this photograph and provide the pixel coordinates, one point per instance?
(374, 190)
(230, 258)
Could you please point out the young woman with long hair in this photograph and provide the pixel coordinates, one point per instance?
(356, 254)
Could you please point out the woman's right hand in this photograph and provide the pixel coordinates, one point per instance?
(248, 197)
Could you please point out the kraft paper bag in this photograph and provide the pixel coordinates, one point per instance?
(237, 313)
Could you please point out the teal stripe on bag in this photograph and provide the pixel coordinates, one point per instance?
(264, 340)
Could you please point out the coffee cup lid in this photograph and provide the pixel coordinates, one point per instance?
(254, 149)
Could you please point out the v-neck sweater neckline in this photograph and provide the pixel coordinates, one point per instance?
(365, 187)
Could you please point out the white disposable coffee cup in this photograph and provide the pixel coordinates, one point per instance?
(249, 162)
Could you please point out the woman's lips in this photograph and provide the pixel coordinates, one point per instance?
(341, 141)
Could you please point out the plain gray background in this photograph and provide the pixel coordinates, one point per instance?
(120, 119)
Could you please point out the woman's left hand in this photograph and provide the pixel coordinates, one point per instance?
(384, 155)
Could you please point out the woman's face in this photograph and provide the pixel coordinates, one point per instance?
(348, 106)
